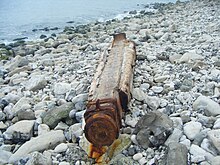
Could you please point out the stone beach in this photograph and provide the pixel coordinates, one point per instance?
(174, 114)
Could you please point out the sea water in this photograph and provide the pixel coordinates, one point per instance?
(26, 18)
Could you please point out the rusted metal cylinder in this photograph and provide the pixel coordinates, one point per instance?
(110, 92)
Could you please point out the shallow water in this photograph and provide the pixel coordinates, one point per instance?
(19, 17)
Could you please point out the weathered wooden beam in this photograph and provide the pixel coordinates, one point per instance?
(110, 92)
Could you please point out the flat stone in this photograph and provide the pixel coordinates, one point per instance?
(54, 115)
(61, 88)
(191, 129)
(210, 107)
(40, 143)
(36, 82)
(214, 137)
(20, 131)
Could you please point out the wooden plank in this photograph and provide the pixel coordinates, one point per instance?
(110, 92)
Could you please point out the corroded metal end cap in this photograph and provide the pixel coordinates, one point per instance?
(101, 130)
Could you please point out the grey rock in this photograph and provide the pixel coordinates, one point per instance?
(121, 159)
(199, 154)
(64, 163)
(8, 111)
(53, 116)
(76, 130)
(36, 82)
(61, 126)
(153, 129)
(26, 115)
(214, 137)
(217, 124)
(161, 79)
(38, 158)
(62, 147)
(75, 153)
(200, 136)
(79, 115)
(206, 145)
(61, 88)
(3, 126)
(23, 104)
(210, 107)
(177, 153)
(42, 129)
(174, 137)
(206, 121)
(40, 143)
(138, 94)
(12, 98)
(175, 58)
(2, 116)
(177, 122)
(152, 101)
(137, 156)
(156, 89)
(18, 61)
(80, 106)
(4, 156)
(191, 129)
(215, 160)
(20, 131)
(2, 72)
(186, 85)
(80, 98)
(190, 56)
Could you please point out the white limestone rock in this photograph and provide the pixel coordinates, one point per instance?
(210, 107)
(22, 130)
(191, 129)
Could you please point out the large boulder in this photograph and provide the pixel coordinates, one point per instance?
(153, 129)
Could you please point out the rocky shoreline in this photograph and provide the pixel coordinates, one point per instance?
(44, 86)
